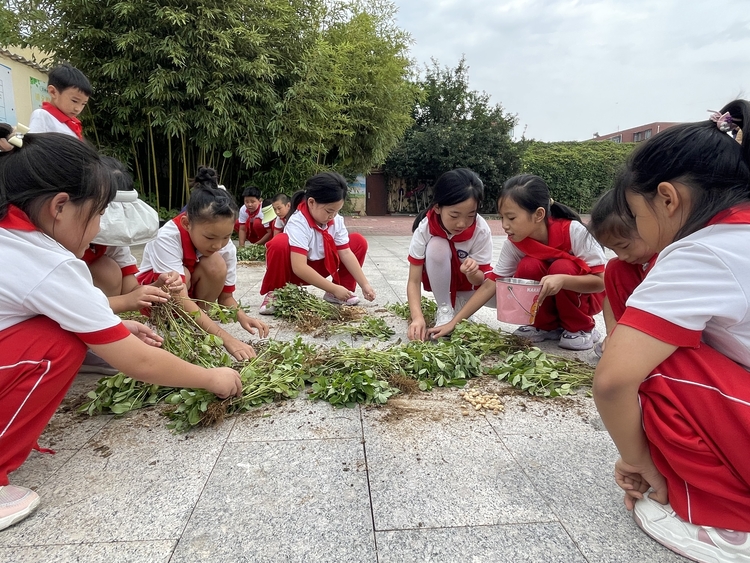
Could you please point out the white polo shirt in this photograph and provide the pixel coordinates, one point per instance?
(245, 216)
(40, 277)
(699, 287)
(164, 254)
(42, 121)
(478, 247)
(303, 239)
(582, 245)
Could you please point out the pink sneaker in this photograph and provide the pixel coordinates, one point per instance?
(16, 503)
(698, 543)
(353, 300)
(267, 308)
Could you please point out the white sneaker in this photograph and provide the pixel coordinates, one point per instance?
(536, 334)
(580, 340)
(699, 543)
(267, 308)
(444, 314)
(331, 298)
(16, 503)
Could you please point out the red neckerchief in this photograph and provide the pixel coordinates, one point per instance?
(737, 215)
(189, 257)
(558, 245)
(73, 123)
(437, 230)
(17, 220)
(331, 255)
(93, 253)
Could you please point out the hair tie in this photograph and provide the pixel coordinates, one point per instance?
(724, 121)
(551, 201)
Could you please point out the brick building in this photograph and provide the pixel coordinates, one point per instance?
(635, 134)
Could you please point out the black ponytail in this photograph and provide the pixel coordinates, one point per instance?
(711, 163)
(453, 187)
(207, 201)
(326, 187)
(530, 193)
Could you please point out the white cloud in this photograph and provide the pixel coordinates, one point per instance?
(569, 68)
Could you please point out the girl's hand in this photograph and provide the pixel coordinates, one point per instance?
(368, 292)
(637, 479)
(341, 293)
(440, 331)
(417, 329)
(469, 267)
(171, 282)
(239, 349)
(146, 295)
(551, 285)
(224, 382)
(143, 333)
(252, 325)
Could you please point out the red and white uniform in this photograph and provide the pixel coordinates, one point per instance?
(321, 246)
(571, 250)
(278, 226)
(475, 242)
(49, 311)
(620, 281)
(256, 229)
(173, 251)
(49, 119)
(120, 254)
(696, 404)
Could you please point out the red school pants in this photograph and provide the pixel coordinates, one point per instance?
(573, 311)
(696, 415)
(38, 362)
(279, 264)
(620, 281)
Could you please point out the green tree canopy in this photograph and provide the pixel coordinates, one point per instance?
(273, 90)
(454, 127)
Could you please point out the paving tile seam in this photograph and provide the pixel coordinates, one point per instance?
(78, 544)
(203, 490)
(472, 526)
(76, 450)
(332, 439)
(367, 479)
(545, 497)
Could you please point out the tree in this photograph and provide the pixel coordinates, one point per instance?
(270, 89)
(455, 127)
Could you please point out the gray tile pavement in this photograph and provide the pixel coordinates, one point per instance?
(415, 480)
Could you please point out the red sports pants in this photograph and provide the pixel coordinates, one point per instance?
(696, 415)
(279, 264)
(38, 362)
(573, 311)
(620, 281)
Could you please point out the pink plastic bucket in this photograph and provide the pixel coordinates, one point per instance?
(516, 300)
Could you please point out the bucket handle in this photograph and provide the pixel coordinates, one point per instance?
(534, 305)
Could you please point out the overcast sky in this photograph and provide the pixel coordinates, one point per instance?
(569, 69)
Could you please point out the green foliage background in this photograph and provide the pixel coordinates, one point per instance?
(273, 90)
(577, 172)
(454, 127)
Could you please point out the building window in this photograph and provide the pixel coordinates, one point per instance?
(637, 137)
(648, 134)
(617, 139)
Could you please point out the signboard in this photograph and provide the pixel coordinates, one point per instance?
(7, 99)
(39, 93)
(357, 187)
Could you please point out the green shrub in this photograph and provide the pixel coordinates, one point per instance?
(576, 172)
